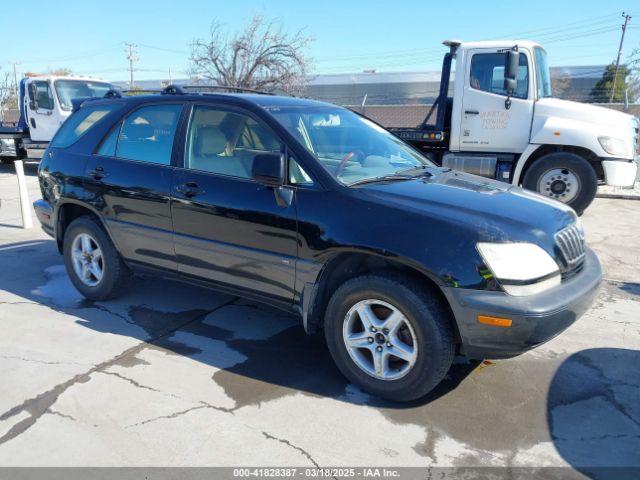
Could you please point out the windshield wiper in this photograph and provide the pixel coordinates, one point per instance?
(417, 169)
(382, 178)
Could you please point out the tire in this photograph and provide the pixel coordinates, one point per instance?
(115, 275)
(429, 324)
(542, 176)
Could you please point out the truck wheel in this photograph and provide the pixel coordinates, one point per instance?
(563, 176)
(389, 336)
(92, 262)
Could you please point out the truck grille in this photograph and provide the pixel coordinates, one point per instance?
(571, 244)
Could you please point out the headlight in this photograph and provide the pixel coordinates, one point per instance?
(614, 146)
(521, 268)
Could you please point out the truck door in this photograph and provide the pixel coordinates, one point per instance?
(44, 118)
(486, 124)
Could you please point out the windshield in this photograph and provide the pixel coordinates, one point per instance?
(543, 78)
(350, 147)
(70, 89)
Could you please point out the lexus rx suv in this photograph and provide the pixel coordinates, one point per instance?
(314, 209)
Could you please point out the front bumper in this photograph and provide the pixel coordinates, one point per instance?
(620, 173)
(535, 319)
(44, 212)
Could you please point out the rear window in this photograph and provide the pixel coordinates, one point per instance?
(80, 122)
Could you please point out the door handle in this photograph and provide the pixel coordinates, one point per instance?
(472, 112)
(98, 173)
(189, 189)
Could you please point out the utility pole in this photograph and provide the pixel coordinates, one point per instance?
(132, 57)
(15, 77)
(615, 75)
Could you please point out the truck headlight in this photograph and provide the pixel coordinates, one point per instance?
(614, 146)
(521, 268)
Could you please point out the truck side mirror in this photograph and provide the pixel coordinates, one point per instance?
(511, 71)
(269, 169)
(33, 101)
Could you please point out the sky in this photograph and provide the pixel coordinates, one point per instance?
(349, 36)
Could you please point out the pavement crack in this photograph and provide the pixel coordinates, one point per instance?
(60, 414)
(37, 406)
(162, 417)
(295, 447)
(131, 381)
(43, 362)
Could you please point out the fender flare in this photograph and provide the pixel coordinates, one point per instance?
(522, 161)
(70, 201)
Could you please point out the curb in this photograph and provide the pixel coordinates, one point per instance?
(617, 196)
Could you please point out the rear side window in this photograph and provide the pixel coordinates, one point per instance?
(80, 122)
(147, 134)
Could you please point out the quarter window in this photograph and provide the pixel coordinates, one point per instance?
(147, 134)
(225, 142)
(487, 74)
(80, 122)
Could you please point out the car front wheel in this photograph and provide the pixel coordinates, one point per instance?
(389, 336)
(92, 262)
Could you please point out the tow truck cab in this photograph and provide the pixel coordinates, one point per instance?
(45, 102)
(502, 122)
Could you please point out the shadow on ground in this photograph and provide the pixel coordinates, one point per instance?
(30, 167)
(280, 357)
(593, 412)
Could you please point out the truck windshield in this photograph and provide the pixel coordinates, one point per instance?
(543, 78)
(67, 90)
(350, 147)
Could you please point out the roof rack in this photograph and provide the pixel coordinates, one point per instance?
(227, 88)
(180, 90)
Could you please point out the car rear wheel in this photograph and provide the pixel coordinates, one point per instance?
(93, 264)
(389, 336)
(563, 176)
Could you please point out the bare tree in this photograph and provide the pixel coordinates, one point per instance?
(8, 93)
(262, 56)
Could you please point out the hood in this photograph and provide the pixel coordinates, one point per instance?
(554, 107)
(487, 209)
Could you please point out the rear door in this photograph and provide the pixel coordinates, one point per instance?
(486, 125)
(128, 180)
(228, 228)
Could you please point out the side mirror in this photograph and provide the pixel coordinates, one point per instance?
(33, 101)
(269, 169)
(512, 60)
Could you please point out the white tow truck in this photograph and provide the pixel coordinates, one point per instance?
(502, 122)
(45, 102)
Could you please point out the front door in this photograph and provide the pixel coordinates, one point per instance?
(486, 124)
(129, 182)
(44, 117)
(228, 228)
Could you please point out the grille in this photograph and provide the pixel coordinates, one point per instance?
(570, 242)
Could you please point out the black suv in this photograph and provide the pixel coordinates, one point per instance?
(312, 208)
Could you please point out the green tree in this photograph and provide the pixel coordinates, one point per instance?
(601, 92)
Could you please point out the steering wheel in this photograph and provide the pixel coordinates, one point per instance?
(343, 162)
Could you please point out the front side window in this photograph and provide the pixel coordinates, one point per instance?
(350, 147)
(43, 96)
(147, 134)
(80, 122)
(543, 77)
(224, 142)
(67, 90)
(487, 74)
